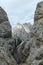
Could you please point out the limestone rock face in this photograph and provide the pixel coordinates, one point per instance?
(5, 27)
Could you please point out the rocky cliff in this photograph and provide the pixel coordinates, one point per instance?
(5, 40)
(5, 27)
(14, 51)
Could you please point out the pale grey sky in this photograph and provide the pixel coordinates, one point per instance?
(19, 11)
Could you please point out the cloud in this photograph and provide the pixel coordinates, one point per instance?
(19, 10)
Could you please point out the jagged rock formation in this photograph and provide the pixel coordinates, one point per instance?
(26, 26)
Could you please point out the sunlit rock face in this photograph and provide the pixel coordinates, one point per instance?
(19, 26)
(19, 31)
(5, 27)
(22, 30)
(28, 27)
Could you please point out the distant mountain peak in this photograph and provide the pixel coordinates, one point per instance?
(19, 26)
(26, 26)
